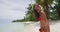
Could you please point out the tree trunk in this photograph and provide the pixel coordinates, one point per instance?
(47, 8)
(58, 9)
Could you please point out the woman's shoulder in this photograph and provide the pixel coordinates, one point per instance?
(43, 13)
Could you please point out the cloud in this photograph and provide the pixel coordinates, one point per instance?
(13, 9)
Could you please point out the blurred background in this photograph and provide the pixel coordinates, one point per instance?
(18, 16)
(50, 7)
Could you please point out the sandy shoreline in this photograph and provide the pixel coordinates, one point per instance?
(54, 27)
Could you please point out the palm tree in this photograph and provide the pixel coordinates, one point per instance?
(29, 14)
(45, 4)
(58, 8)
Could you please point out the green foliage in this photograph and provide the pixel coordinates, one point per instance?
(18, 20)
(50, 2)
(38, 1)
(30, 15)
(53, 15)
(58, 8)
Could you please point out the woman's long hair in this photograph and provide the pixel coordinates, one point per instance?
(35, 12)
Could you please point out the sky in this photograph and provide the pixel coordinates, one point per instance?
(13, 9)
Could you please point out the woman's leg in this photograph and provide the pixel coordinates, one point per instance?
(43, 29)
(48, 29)
(40, 30)
(47, 26)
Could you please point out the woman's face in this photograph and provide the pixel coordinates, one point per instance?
(37, 8)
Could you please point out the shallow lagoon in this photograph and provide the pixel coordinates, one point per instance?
(28, 27)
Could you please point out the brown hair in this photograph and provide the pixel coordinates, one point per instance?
(35, 12)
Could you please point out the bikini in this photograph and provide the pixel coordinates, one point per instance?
(42, 28)
(39, 18)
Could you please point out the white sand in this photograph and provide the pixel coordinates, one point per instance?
(54, 27)
(28, 27)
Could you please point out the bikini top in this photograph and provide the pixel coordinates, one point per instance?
(39, 18)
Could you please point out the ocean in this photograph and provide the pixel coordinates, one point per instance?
(12, 27)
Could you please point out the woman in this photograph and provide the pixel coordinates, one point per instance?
(41, 16)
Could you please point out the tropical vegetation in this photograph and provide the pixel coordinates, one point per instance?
(51, 8)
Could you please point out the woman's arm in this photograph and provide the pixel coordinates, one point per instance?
(45, 20)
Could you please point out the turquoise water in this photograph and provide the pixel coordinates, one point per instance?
(27, 27)
(12, 27)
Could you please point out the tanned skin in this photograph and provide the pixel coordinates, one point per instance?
(44, 22)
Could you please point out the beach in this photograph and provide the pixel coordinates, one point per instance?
(28, 27)
(54, 27)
